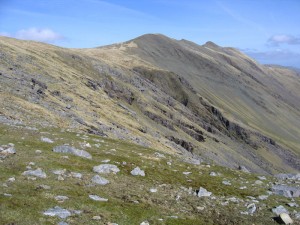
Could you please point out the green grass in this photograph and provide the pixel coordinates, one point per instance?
(28, 202)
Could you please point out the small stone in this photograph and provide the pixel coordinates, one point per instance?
(258, 182)
(96, 217)
(60, 178)
(47, 140)
(106, 168)
(213, 174)
(263, 197)
(99, 180)
(38, 151)
(243, 187)
(279, 210)
(186, 173)
(97, 198)
(59, 172)
(138, 172)
(169, 163)
(7, 195)
(36, 173)
(145, 223)
(262, 177)
(106, 161)
(11, 179)
(286, 218)
(76, 175)
(61, 198)
(153, 190)
(225, 182)
(203, 192)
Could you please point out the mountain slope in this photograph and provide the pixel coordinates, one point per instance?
(175, 96)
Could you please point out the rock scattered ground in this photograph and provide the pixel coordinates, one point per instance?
(129, 184)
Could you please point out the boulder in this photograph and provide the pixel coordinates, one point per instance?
(106, 168)
(286, 219)
(71, 150)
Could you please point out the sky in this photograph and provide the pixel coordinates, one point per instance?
(267, 30)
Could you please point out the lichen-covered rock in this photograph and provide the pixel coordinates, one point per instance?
(58, 211)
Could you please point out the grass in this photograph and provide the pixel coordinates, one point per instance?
(28, 202)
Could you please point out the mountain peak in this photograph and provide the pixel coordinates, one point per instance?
(211, 44)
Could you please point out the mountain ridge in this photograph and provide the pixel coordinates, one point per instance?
(197, 100)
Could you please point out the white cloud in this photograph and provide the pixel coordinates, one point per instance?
(35, 34)
(279, 39)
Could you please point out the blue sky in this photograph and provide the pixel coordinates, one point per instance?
(268, 30)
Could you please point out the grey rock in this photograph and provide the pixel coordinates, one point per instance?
(35, 173)
(292, 204)
(98, 198)
(153, 190)
(96, 218)
(58, 211)
(76, 175)
(280, 209)
(203, 192)
(6, 150)
(286, 191)
(251, 208)
(47, 140)
(258, 182)
(262, 177)
(59, 172)
(106, 168)
(145, 223)
(7, 195)
(71, 150)
(138, 172)
(263, 197)
(286, 219)
(225, 182)
(99, 180)
(213, 174)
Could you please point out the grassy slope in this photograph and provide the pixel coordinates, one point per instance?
(27, 202)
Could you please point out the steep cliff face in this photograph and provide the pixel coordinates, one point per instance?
(200, 101)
